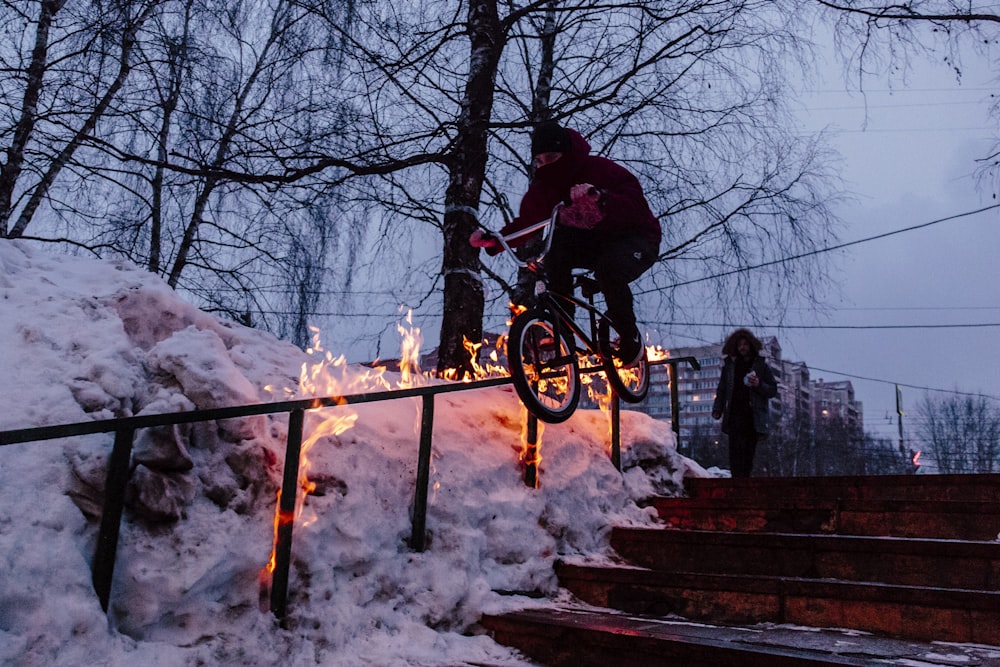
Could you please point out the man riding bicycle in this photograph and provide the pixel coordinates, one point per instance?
(606, 224)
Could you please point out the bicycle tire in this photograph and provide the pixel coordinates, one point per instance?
(632, 383)
(550, 390)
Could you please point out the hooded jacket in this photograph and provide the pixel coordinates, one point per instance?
(622, 202)
(759, 395)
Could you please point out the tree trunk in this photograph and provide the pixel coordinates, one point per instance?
(10, 171)
(463, 287)
(38, 195)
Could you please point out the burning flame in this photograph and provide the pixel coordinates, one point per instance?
(916, 459)
(330, 376)
(326, 375)
(531, 442)
(600, 392)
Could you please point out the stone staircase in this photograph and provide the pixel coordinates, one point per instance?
(880, 570)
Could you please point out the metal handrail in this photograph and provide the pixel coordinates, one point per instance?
(125, 428)
(119, 463)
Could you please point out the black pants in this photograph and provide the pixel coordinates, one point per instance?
(615, 261)
(742, 448)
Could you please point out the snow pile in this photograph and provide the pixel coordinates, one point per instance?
(86, 339)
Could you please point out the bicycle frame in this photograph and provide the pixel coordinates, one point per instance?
(543, 296)
(550, 301)
(547, 378)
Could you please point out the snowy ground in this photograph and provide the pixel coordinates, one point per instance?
(84, 339)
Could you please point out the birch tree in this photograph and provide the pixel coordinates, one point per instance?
(79, 59)
(688, 94)
(881, 38)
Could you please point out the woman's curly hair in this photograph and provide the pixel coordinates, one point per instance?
(731, 346)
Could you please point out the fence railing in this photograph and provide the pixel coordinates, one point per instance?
(125, 428)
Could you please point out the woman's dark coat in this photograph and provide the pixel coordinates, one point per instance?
(759, 395)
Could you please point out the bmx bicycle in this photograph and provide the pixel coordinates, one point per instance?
(545, 342)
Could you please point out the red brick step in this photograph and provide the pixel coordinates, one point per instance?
(948, 519)
(778, 490)
(908, 566)
(912, 612)
(891, 560)
(594, 638)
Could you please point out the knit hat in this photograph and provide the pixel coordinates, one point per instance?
(549, 137)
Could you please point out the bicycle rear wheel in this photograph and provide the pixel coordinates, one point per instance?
(631, 383)
(543, 366)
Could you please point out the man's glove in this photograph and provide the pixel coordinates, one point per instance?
(584, 212)
(483, 239)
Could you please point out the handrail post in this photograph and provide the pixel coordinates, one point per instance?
(111, 515)
(675, 409)
(531, 452)
(286, 514)
(418, 537)
(616, 430)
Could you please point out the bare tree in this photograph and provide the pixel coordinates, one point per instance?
(223, 99)
(961, 433)
(878, 38)
(345, 126)
(689, 94)
(78, 63)
(787, 451)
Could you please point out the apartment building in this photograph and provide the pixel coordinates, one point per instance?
(799, 403)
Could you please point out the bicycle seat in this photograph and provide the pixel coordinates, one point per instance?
(588, 286)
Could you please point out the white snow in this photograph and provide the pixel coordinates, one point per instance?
(85, 339)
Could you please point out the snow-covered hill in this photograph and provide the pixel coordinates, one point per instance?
(85, 339)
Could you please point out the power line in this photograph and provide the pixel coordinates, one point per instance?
(908, 386)
(897, 91)
(819, 251)
(911, 105)
(724, 325)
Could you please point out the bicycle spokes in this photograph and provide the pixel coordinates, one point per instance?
(544, 367)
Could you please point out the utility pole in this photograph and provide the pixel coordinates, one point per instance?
(899, 418)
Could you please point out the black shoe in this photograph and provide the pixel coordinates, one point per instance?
(630, 351)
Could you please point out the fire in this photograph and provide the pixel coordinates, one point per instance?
(916, 458)
(490, 367)
(531, 442)
(656, 353)
(600, 392)
(409, 360)
(326, 375)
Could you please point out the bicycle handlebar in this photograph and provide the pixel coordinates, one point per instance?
(547, 227)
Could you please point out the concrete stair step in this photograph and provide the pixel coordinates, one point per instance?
(766, 490)
(763, 571)
(947, 519)
(890, 560)
(568, 637)
(584, 637)
(911, 612)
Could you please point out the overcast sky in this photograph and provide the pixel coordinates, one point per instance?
(910, 155)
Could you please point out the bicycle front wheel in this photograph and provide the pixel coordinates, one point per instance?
(544, 367)
(632, 382)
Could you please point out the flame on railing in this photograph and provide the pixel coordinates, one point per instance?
(326, 375)
(599, 390)
(331, 376)
(531, 452)
(409, 358)
(482, 368)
